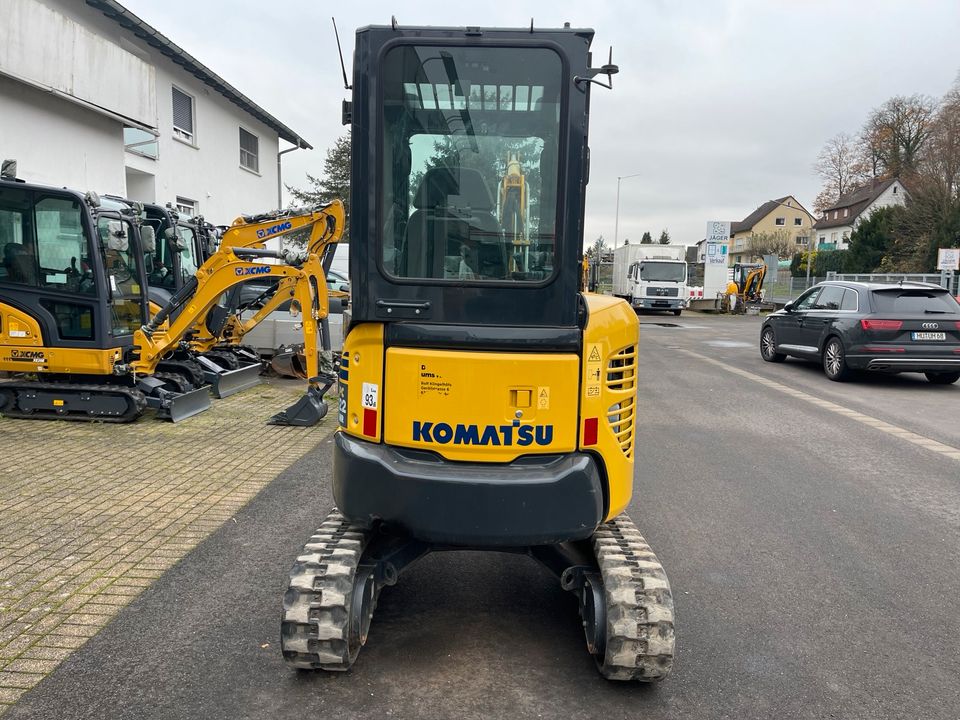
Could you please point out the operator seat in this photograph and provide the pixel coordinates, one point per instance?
(453, 232)
(18, 261)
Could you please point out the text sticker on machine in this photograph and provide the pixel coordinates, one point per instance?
(369, 398)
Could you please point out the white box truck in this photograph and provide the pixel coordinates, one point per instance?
(651, 277)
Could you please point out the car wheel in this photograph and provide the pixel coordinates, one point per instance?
(835, 361)
(943, 378)
(768, 346)
(677, 313)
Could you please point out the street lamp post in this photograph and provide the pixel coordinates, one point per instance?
(616, 222)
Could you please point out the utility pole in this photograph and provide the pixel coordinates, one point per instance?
(616, 222)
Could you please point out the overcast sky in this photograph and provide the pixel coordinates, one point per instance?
(718, 107)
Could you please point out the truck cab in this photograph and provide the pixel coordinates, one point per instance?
(651, 277)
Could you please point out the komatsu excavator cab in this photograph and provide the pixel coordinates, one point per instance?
(485, 402)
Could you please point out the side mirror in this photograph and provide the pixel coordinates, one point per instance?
(116, 236)
(788, 307)
(169, 233)
(345, 288)
(148, 239)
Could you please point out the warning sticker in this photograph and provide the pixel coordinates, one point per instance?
(369, 397)
(593, 391)
(543, 398)
(593, 356)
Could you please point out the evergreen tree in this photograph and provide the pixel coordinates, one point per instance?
(646, 239)
(871, 241)
(333, 185)
(664, 237)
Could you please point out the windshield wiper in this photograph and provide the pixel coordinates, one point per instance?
(937, 312)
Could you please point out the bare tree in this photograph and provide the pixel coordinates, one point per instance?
(941, 159)
(841, 167)
(895, 134)
(779, 243)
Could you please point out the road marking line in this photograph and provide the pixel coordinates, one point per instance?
(908, 435)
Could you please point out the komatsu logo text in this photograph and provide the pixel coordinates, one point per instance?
(507, 435)
(274, 229)
(259, 270)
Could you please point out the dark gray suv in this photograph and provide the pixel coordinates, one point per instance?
(892, 328)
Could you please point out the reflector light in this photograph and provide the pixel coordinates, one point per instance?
(881, 324)
(369, 422)
(590, 431)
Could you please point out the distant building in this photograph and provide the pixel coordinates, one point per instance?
(93, 98)
(841, 219)
(783, 216)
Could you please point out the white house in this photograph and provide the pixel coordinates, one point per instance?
(842, 218)
(93, 98)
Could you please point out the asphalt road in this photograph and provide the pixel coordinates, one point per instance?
(813, 558)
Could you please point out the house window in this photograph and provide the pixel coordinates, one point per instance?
(249, 151)
(186, 207)
(834, 214)
(823, 238)
(140, 142)
(739, 243)
(845, 237)
(781, 221)
(182, 115)
(894, 189)
(798, 221)
(846, 211)
(833, 237)
(801, 239)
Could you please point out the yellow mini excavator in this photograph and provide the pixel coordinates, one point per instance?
(73, 311)
(484, 404)
(317, 231)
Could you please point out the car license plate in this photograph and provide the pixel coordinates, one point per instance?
(928, 336)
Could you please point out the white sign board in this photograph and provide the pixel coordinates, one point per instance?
(948, 259)
(716, 253)
(718, 231)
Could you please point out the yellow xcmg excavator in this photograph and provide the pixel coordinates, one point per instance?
(315, 229)
(483, 405)
(73, 311)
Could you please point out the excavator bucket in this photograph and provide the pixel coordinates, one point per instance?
(290, 362)
(226, 383)
(305, 412)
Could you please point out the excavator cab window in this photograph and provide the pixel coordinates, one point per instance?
(122, 271)
(470, 139)
(42, 243)
(188, 244)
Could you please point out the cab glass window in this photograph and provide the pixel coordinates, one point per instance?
(806, 302)
(830, 298)
(17, 259)
(62, 250)
(126, 307)
(188, 260)
(850, 300)
(470, 142)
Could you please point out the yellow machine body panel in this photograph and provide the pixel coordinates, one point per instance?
(18, 328)
(22, 349)
(609, 393)
(361, 380)
(480, 406)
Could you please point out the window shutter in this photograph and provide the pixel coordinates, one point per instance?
(182, 111)
(249, 150)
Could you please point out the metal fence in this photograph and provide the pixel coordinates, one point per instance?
(944, 279)
(786, 287)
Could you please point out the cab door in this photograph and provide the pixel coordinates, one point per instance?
(821, 316)
(790, 328)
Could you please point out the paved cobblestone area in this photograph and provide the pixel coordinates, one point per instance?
(92, 514)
